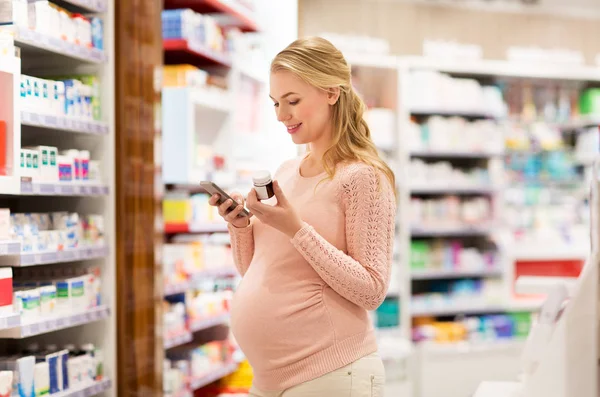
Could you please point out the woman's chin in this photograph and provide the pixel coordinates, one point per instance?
(298, 140)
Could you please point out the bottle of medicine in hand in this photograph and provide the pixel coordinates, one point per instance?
(263, 184)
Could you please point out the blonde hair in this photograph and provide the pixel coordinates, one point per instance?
(320, 64)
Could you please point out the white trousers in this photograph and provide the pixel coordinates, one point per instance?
(363, 378)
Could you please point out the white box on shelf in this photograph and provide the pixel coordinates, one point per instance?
(13, 12)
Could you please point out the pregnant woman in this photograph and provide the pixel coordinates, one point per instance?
(316, 258)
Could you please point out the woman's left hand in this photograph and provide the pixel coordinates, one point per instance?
(281, 216)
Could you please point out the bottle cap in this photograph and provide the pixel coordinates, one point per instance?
(261, 178)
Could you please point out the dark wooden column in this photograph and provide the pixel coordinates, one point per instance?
(138, 40)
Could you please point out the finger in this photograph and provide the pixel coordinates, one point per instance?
(237, 197)
(224, 208)
(214, 200)
(232, 215)
(252, 203)
(281, 199)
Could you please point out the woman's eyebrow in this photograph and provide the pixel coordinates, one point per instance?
(285, 95)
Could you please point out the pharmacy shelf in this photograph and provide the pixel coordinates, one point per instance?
(43, 325)
(9, 248)
(85, 6)
(177, 288)
(182, 228)
(183, 286)
(459, 231)
(57, 123)
(231, 12)
(471, 347)
(219, 373)
(454, 309)
(435, 190)
(531, 70)
(455, 155)
(200, 325)
(181, 339)
(9, 321)
(179, 51)
(551, 252)
(68, 255)
(86, 390)
(33, 43)
(448, 274)
(29, 188)
(422, 112)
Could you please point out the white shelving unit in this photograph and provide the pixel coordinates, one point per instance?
(44, 57)
(475, 357)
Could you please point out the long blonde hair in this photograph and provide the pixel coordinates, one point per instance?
(320, 64)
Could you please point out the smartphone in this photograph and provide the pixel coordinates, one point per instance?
(212, 188)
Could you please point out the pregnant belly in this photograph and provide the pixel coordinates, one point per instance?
(279, 326)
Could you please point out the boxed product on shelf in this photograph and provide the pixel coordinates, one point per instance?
(49, 19)
(448, 134)
(197, 28)
(445, 174)
(53, 370)
(4, 224)
(473, 328)
(6, 290)
(56, 295)
(184, 259)
(206, 305)
(23, 369)
(184, 76)
(450, 255)
(44, 164)
(14, 12)
(6, 383)
(175, 377)
(435, 91)
(457, 294)
(194, 209)
(174, 320)
(70, 96)
(51, 232)
(451, 211)
(204, 359)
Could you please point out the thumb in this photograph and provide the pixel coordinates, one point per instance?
(281, 199)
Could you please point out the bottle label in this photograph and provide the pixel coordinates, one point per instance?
(261, 192)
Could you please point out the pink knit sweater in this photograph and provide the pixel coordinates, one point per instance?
(301, 308)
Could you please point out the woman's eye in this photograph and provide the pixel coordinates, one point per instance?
(276, 105)
(294, 103)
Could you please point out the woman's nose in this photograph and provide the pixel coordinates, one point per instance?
(282, 115)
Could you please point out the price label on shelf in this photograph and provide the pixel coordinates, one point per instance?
(3, 249)
(34, 118)
(33, 329)
(60, 322)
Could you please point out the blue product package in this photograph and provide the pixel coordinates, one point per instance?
(53, 372)
(25, 367)
(63, 356)
(97, 33)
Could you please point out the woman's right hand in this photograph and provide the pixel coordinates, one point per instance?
(231, 216)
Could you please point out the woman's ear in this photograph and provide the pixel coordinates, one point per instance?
(333, 94)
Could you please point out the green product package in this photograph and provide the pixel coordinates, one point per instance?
(522, 323)
(419, 252)
(589, 102)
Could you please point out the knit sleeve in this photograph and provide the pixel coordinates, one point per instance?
(363, 274)
(242, 246)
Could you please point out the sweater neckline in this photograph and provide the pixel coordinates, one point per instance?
(307, 177)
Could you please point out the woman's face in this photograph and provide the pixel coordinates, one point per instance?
(303, 109)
